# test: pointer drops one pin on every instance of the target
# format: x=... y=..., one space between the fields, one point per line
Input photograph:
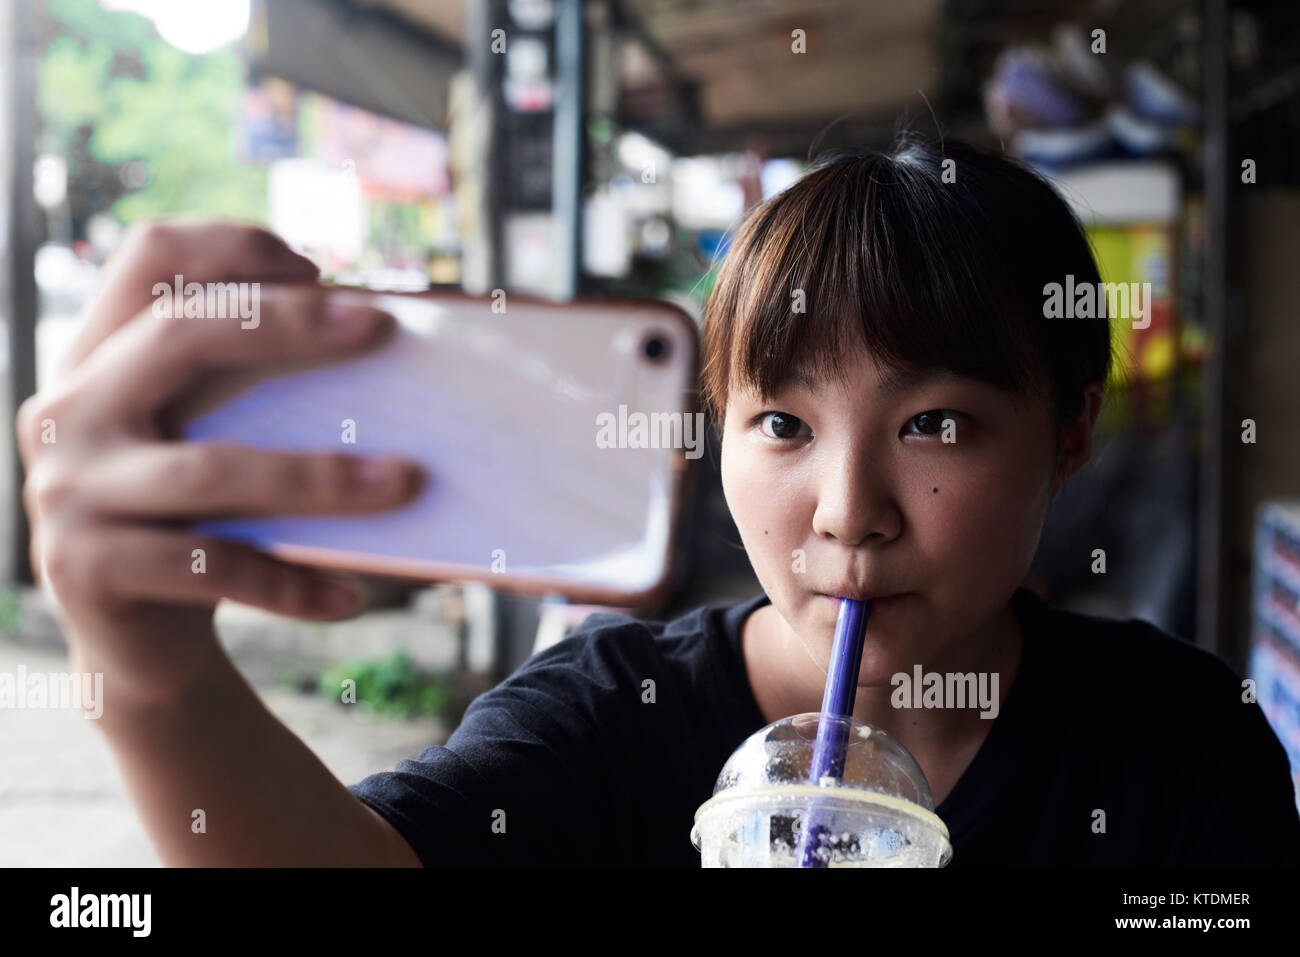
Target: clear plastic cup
x=879 y=813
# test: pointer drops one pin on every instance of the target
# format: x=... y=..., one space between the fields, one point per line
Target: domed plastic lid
x=775 y=763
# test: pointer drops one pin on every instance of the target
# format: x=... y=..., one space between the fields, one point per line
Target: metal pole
x=482 y=17
x=21 y=234
x=568 y=145
x=1213 y=529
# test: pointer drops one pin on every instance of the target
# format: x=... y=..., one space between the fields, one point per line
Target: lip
x=862 y=596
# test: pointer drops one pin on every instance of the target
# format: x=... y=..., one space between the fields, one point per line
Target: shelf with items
x=1275 y=649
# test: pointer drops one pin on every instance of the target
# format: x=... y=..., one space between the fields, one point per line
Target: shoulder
x=1138 y=662
x=610 y=653
x=1169 y=713
x=1147 y=690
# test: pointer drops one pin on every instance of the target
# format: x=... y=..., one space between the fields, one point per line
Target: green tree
x=143 y=100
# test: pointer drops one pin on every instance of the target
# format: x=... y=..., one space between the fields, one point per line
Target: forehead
x=886 y=382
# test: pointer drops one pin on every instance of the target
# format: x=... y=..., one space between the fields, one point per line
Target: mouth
x=877 y=601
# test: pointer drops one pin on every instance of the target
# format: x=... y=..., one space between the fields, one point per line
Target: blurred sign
x=268 y=124
x=527 y=162
x=391 y=159
x=527 y=87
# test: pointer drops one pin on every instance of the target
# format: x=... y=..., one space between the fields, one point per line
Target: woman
x=898 y=410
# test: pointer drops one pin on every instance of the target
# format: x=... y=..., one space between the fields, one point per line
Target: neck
x=786 y=681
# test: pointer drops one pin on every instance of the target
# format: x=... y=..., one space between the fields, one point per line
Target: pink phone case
x=555 y=438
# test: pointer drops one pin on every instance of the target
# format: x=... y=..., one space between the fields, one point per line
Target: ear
x=1076 y=438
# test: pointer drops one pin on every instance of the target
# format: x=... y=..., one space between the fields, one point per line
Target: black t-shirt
x=576 y=759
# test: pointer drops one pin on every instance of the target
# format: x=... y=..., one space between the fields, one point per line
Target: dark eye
x=931 y=421
x=783 y=426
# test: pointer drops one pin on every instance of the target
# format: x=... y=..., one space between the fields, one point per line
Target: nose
x=855 y=501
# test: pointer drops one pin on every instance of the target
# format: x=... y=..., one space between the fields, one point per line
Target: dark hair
x=924 y=273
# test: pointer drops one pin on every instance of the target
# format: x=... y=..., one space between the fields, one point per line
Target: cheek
x=760 y=507
x=983 y=524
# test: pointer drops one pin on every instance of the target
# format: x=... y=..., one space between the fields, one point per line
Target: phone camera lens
x=655 y=347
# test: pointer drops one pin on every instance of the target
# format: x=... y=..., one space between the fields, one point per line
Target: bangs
x=888 y=254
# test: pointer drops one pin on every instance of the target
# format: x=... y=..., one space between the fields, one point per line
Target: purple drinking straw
x=832 y=736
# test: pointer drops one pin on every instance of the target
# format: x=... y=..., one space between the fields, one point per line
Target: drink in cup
x=766 y=811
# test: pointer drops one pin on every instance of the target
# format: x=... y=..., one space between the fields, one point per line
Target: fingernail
x=336 y=597
x=345 y=319
x=382 y=473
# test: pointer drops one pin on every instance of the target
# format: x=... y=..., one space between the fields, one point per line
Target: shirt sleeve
x=525 y=779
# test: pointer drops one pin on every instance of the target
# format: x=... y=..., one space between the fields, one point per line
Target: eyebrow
x=892 y=382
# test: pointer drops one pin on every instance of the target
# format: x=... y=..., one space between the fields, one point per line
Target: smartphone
x=556 y=440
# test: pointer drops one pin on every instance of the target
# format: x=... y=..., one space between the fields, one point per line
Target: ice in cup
x=878 y=813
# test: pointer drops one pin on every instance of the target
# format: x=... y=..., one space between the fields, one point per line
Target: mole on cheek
x=935 y=490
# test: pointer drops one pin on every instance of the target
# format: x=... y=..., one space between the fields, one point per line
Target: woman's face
x=855 y=487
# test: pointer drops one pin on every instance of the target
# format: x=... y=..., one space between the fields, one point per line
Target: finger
x=27 y=428
x=135 y=563
x=205 y=480
x=159 y=251
x=151 y=361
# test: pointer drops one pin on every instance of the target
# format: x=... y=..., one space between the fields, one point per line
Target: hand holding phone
x=554 y=438
x=109 y=497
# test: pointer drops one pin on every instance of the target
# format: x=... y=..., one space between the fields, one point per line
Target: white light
x=50 y=180
x=189 y=25
x=779 y=174
x=532 y=14
x=316 y=206
x=637 y=152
